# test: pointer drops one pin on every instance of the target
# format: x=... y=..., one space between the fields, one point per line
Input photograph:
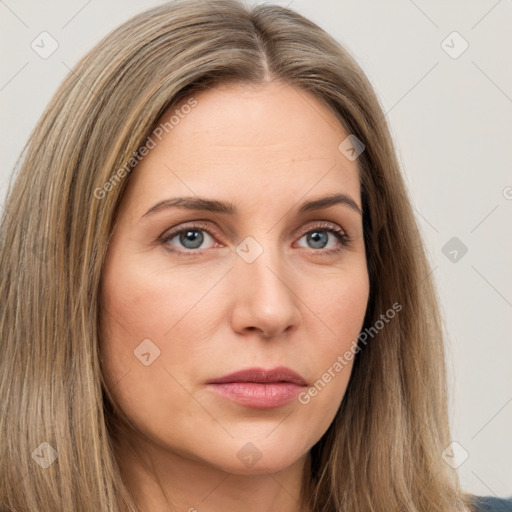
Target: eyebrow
x=228 y=208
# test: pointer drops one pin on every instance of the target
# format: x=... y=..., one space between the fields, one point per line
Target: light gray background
x=451 y=120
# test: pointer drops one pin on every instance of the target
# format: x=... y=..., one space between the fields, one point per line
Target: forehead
x=240 y=137
x=273 y=116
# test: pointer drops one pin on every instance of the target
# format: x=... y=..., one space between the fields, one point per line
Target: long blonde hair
x=383 y=450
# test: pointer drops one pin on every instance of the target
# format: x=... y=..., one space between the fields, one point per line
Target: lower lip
x=256 y=395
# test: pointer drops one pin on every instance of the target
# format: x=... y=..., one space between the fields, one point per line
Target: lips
x=262 y=376
x=259 y=388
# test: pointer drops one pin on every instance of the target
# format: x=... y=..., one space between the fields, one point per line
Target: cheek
x=131 y=312
x=143 y=301
x=146 y=301
x=143 y=312
x=341 y=306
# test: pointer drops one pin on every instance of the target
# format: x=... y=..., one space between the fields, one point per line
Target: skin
x=266 y=148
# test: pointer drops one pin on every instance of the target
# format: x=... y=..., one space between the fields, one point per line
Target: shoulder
x=491 y=504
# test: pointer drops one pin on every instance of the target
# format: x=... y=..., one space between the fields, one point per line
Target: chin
x=256 y=458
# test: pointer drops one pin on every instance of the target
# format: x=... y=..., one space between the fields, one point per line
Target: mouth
x=259 y=388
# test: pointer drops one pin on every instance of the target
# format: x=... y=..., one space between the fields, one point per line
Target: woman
x=214 y=293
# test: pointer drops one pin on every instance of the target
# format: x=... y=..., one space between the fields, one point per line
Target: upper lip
x=262 y=375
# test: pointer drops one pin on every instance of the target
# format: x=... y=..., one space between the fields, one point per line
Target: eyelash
x=342 y=237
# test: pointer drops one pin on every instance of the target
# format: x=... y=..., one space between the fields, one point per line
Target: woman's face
x=255 y=280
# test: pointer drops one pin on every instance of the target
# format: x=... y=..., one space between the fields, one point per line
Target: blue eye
x=192 y=237
x=320 y=237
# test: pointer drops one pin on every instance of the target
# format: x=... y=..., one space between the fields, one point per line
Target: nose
x=264 y=299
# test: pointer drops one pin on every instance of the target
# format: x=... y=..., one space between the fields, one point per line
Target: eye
x=189 y=239
x=318 y=238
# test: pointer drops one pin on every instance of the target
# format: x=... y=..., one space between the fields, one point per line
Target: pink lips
x=260 y=388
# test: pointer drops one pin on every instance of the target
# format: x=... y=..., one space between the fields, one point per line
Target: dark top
x=491 y=504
